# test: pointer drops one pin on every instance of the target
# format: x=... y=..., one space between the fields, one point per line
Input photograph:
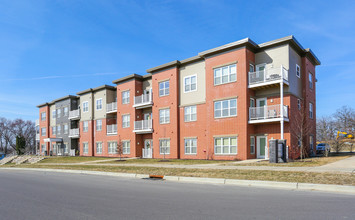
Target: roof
x=96 y=89
x=132 y=76
x=246 y=42
x=65 y=97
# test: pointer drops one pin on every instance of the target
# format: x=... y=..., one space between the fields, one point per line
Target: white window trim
x=236 y=112
x=165 y=122
x=214 y=143
x=85 y=126
x=59 y=131
x=190 y=146
x=124 y=100
x=99 y=142
x=60 y=112
x=123 y=147
x=310 y=81
x=298 y=74
x=124 y=124
x=229 y=81
x=164 y=88
x=87 y=144
x=190 y=76
x=65 y=131
x=100 y=125
x=190 y=113
x=160 y=147
x=311 y=110
x=251 y=137
x=54 y=114
x=43 y=133
x=114 y=150
x=98 y=109
x=86 y=102
x=43 y=118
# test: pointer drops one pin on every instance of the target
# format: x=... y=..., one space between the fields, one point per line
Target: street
x=44 y=195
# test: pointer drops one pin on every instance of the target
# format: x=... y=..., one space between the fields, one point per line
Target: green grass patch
x=61 y=159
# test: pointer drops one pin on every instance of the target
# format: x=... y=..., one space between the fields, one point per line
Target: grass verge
x=61 y=159
x=282 y=176
x=169 y=161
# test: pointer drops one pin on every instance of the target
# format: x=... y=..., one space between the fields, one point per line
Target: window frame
x=59 y=131
x=85 y=128
x=167 y=140
x=65 y=131
x=126 y=123
x=98 y=104
x=252 y=145
x=164 y=116
x=298 y=71
x=112 y=149
x=85 y=106
x=184 y=83
x=65 y=111
x=97 y=125
x=229 y=74
x=45 y=131
x=310 y=80
x=223 y=146
x=311 y=110
x=54 y=114
x=125 y=100
x=43 y=116
x=165 y=88
x=59 y=112
x=85 y=149
x=126 y=149
x=54 y=130
x=190 y=146
x=299 y=104
x=190 y=114
x=97 y=148
x=228 y=108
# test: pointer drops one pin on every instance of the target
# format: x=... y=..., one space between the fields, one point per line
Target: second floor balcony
x=74 y=114
x=268 y=77
x=267 y=114
x=111 y=129
x=74 y=133
x=143 y=126
x=111 y=107
x=143 y=101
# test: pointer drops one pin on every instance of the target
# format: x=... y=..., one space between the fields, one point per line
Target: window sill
x=224 y=83
x=234 y=116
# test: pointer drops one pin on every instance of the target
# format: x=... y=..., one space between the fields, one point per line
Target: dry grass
x=309 y=162
x=283 y=176
x=60 y=159
x=168 y=161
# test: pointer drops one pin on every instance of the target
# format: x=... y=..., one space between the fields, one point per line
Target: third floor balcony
x=143 y=101
x=265 y=114
x=268 y=77
x=143 y=126
x=74 y=114
x=111 y=107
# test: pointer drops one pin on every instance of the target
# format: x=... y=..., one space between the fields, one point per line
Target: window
x=66 y=148
x=164 y=88
x=43 y=148
x=85 y=148
x=126 y=147
x=59 y=130
x=98 y=125
x=43 y=116
x=298 y=71
x=299 y=104
x=310 y=80
x=225 y=74
x=164 y=146
x=85 y=126
x=98 y=104
x=125 y=97
x=225 y=108
x=99 y=147
x=54 y=114
x=112 y=147
x=85 y=106
x=190 y=146
x=251 y=67
x=225 y=145
x=164 y=116
x=66 y=128
x=311 y=142
x=252 y=145
x=125 y=121
x=65 y=111
x=190 y=83
x=311 y=110
x=190 y=113
x=43 y=132
x=54 y=129
x=252 y=102
x=59 y=112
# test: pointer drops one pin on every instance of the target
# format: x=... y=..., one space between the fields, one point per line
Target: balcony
x=74 y=114
x=37 y=137
x=267 y=114
x=111 y=107
x=74 y=133
x=37 y=122
x=111 y=129
x=143 y=127
x=143 y=101
x=268 y=78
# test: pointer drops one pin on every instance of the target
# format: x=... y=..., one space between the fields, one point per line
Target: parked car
x=323 y=148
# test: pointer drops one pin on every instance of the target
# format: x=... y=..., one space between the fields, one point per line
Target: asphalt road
x=39 y=195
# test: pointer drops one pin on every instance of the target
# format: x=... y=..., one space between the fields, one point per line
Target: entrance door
x=262 y=147
x=148 y=148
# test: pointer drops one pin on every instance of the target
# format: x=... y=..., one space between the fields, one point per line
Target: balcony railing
x=74 y=133
x=37 y=122
x=142 y=101
x=37 y=137
x=111 y=107
x=111 y=129
x=268 y=113
x=267 y=76
x=74 y=114
x=144 y=126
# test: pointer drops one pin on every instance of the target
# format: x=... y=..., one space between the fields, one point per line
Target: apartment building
x=226 y=103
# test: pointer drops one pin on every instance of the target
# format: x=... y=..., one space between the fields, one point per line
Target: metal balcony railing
x=74 y=114
x=268 y=76
x=143 y=126
x=75 y=132
x=267 y=112
x=111 y=107
x=143 y=100
x=111 y=129
x=37 y=122
x=37 y=137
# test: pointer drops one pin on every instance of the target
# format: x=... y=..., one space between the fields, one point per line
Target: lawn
x=308 y=162
x=60 y=159
x=160 y=161
x=283 y=176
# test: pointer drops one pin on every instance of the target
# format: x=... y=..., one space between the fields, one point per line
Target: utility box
x=281 y=145
x=277 y=151
x=273 y=154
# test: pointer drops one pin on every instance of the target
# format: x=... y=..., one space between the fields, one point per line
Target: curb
x=219 y=181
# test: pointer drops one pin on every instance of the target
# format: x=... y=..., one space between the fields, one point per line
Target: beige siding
x=198 y=96
x=101 y=94
x=52 y=120
x=295 y=82
x=85 y=116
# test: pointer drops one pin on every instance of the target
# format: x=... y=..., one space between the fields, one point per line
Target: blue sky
x=49 y=49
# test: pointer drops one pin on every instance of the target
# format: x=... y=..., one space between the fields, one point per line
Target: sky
x=50 y=49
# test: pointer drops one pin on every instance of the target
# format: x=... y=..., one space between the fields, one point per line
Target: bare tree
x=344 y=122
x=120 y=147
